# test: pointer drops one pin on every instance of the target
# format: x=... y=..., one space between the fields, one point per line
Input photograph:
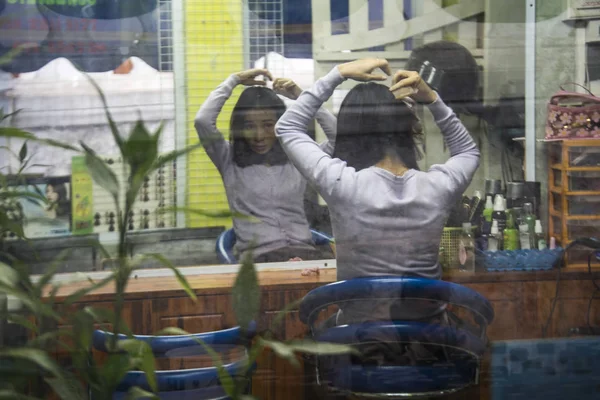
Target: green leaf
x=14 y=52
x=141 y=152
x=283 y=313
x=101 y=173
x=74 y=297
x=224 y=377
x=142 y=357
x=113 y=127
x=83 y=329
x=41 y=341
x=141 y=149
x=21 y=268
x=8 y=225
x=12 y=114
x=22 y=195
x=158 y=131
x=10 y=152
x=282 y=350
x=246 y=293
x=52 y=270
x=174 y=155
x=23 y=321
x=95 y=243
x=180 y=277
x=9 y=132
x=113 y=371
x=8 y=275
x=210 y=213
x=23 y=152
x=104 y=315
x=34 y=304
x=320 y=348
x=67 y=388
x=135 y=393
x=12 y=395
x=38 y=357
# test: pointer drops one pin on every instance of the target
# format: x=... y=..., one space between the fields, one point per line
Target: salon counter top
x=215 y=279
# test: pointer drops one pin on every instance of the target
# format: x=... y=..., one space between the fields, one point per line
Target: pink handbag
x=573 y=115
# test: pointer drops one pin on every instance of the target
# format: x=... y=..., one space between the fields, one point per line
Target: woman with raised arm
x=259 y=179
x=387 y=215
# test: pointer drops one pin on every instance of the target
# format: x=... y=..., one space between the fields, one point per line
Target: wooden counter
x=521 y=300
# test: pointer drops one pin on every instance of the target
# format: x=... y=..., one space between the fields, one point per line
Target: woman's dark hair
x=255 y=98
x=63 y=205
x=372 y=124
x=460 y=82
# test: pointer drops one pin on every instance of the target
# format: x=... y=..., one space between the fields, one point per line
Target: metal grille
x=165 y=35
x=265 y=29
x=214 y=49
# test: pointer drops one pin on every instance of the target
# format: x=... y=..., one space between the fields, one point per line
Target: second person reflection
x=259 y=179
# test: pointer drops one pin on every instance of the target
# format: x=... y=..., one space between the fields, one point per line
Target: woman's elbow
x=281 y=126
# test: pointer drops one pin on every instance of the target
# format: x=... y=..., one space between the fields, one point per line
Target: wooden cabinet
x=574 y=194
x=522 y=302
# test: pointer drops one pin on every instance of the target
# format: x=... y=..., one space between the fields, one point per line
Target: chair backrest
x=394 y=287
x=445 y=359
x=199 y=383
x=162 y=345
x=224 y=247
x=227 y=239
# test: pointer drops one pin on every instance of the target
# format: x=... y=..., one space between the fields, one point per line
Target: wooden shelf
x=557 y=214
x=582 y=193
x=558 y=190
x=582 y=217
x=582 y=267
x=575 y=169
x=560 y=222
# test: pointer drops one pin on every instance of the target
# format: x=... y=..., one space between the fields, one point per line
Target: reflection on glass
x=259 y=179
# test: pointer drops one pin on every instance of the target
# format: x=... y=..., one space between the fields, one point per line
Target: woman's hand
x=362 y=70
x=249 y=76
x=410 y=84
x=287 y=87
x=310 y=271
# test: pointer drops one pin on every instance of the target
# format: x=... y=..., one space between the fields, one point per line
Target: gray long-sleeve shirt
x=383 y=224
x=273 y=194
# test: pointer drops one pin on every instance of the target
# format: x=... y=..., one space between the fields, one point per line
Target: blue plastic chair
x=343 y=374
x=226 y=241
x=195 y=383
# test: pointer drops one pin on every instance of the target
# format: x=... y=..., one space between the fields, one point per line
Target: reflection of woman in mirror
x=58 y=201
x=387 y=215
x=259 y=179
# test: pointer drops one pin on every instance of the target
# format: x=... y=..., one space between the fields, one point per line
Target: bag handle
x=576 y=84
x=564 y=95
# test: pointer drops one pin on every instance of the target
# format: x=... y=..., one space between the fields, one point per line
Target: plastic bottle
x=529 y=220
x=524 y=237
x=466 y=249
x=495 y=238
x=477 y=206
x=489 y=209
x=499 y=213
x=539 y=236
x=511 y=234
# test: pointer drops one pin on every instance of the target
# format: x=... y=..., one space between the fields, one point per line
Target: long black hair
x=372 y=124
x=459 y=87
x=255 y=98
x=63 y=204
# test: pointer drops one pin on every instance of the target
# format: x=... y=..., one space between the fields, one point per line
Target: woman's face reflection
x=51 y=194
x=259 y=130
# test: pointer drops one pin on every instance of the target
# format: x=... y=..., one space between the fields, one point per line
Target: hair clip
x=410 y=103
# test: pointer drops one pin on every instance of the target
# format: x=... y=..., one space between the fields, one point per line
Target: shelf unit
x=574 y=194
